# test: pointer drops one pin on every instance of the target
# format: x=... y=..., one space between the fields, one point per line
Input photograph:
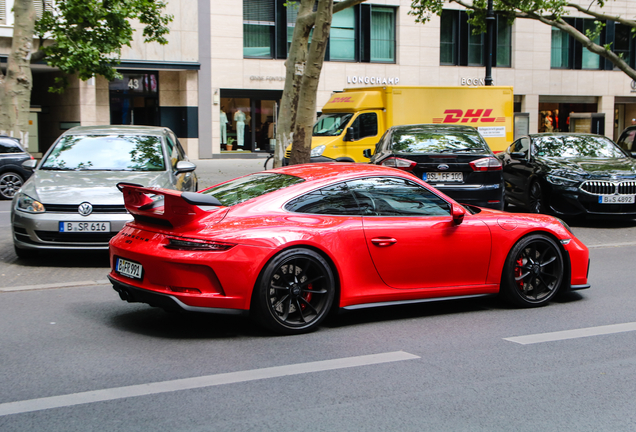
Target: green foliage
x=88 y=34
x=423 y=10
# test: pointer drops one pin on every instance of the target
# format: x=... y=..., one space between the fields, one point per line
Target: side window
x=390 y=196
x=365 y=125
x=521 y=145
x=332 y=200
x=9 y=146
x=173 y=151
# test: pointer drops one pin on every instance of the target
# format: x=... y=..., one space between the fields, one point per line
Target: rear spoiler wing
x=172 y=209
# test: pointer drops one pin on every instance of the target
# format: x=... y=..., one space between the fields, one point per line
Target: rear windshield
x=106 y=153
x=426 y=141
x=10 y=146
x=251 y=186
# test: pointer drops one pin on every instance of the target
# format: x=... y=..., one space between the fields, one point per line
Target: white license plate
x=443 y=177
x=84 y=227
x=616 y=199
x=128 y=268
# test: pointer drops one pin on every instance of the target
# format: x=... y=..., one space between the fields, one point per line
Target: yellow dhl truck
x=355 y=119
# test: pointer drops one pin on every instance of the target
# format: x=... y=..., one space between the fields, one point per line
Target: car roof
x=118 y=129
x=341 y=170
x=437 y=127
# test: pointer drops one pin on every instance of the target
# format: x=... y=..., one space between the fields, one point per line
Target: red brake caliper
x=518 y=273
x=307 y=297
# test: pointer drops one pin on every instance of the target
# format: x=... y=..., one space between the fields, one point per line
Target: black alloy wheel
x=10 y=183
x=535 y=198
x=295 y=292
x=533 y=272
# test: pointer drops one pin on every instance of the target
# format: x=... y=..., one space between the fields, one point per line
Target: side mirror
x=633 y=154
x=458 y=213
x=184 y=167
x=29 y=164
x=367 y=153
x=518 y=155
x=349 y=134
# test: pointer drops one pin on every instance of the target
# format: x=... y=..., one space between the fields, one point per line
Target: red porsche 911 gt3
x=288 y=245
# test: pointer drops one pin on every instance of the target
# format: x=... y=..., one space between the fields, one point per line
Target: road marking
x=573 y=334
x=30 y=405
x=55 y=285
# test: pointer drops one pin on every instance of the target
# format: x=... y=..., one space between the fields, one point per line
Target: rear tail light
x=486 y=164
x=197 y=245
x=399 y=163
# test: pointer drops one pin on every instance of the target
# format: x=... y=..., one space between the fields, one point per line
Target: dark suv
x=12 y=175
x=454 y=159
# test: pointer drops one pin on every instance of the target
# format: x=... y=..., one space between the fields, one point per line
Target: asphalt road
x=76 y=358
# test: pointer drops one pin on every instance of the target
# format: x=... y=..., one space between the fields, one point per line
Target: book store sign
x=373 y=80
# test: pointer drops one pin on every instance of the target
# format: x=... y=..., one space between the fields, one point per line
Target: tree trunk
x=293 y=80
x=15 y=87
x=301 y=148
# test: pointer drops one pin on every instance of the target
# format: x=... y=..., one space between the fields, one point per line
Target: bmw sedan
x=454 y=159
x=569 y=175
x=71 y=202
x=289 y=245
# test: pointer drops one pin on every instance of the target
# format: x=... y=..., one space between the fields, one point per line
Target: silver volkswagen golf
x=71 y=202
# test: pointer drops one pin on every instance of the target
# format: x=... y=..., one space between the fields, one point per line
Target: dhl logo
x=472 y=116
x=341 y=99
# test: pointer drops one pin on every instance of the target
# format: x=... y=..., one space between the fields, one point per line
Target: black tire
x=298 y=301
x=533 y=272
x=24 y=253
x=535 y=198
x=10 y=183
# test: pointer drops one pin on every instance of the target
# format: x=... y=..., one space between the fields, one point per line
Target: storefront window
x=134 y=99
x=342 y=39
x=382 y=34
x=248 y=121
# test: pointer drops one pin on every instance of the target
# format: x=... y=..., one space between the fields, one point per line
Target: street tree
x=82 y=37
x=304 y=63
x=549 y=12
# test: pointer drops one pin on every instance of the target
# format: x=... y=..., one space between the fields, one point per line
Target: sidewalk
x=219 y=169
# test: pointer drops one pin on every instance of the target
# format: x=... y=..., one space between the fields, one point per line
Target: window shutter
x=3 y=11
x=40 y=6
x=258 y=11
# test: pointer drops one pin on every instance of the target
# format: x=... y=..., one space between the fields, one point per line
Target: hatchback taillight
x=399 y=163
x=486 y=164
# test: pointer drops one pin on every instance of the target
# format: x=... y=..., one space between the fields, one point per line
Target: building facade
x=220 y=79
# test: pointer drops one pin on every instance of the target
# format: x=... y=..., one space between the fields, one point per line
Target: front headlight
x=561 y=181
x=317 y=151
x=27 y=204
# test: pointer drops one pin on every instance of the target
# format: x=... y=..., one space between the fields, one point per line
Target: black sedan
x=12 y=174
x=454 y=159
x=569 y=175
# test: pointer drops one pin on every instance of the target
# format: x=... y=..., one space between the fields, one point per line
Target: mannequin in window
x=239 y=118
x=224 y=123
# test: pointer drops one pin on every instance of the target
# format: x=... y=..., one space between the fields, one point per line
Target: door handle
x=383 y=241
